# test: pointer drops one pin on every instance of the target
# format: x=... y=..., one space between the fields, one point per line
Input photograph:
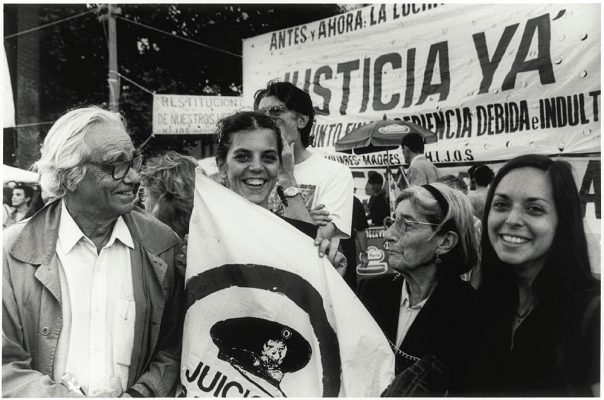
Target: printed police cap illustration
x=264 y=348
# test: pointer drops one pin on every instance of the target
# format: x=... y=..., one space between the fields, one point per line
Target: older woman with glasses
x=426 y=309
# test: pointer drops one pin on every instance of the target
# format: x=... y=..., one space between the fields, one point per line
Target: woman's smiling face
x=522 y=220
x=252 y=164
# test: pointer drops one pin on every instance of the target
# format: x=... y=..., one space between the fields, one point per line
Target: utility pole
x=113 y=78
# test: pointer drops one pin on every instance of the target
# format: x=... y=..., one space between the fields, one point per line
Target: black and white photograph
x=301 y=200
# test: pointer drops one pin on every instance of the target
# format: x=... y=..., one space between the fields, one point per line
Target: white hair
x=460 y=213
x=64 y=151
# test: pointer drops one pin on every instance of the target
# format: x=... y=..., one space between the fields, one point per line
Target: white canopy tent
x=18 y=175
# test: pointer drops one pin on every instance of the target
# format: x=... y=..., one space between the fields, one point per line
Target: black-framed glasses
x=274 y=111
x=120 y=170
x=403 y=224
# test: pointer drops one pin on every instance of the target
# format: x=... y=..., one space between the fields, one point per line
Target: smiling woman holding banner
x=264 y=314
x=251 y=156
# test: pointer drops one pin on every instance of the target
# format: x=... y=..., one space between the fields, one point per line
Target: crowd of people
x=492 y=292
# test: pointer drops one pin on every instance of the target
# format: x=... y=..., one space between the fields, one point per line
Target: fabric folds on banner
x=265 y=316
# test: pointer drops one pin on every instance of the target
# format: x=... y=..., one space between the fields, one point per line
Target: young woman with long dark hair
x=541 y=303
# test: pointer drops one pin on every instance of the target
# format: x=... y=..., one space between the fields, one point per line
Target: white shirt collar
x=70 y=233
x=405 y=298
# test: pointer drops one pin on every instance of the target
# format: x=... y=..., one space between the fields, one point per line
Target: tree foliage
x=74 y=56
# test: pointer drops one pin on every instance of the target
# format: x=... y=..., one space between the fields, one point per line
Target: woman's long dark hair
x=567 y=268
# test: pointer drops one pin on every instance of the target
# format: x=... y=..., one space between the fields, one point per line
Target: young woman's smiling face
x=252 y=164
x=522 y=220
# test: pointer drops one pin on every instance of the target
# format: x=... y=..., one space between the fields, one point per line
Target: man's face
x=372 y=188
x=98 y=193
x=289 y=121
x=406 y=154
x=19 y=198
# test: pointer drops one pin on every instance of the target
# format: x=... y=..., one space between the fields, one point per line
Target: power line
x=47 y=25
x=180 y=37
x=134 y=83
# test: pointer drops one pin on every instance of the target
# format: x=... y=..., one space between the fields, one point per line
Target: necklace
x=522 y=315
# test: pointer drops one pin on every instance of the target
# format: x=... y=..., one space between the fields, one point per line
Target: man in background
x=480 y=176
x=355 y=248
x=315 y=178
x=421 y=170
x=20 y=201
x=377 y=206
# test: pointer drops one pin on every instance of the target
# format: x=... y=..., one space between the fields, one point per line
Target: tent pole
x=389 y=180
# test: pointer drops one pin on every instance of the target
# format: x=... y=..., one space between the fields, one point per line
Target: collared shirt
x=95 y=344
x=407 y=314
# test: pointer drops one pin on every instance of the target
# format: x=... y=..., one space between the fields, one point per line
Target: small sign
x=191 y=115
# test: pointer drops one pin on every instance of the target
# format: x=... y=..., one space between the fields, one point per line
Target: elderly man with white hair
x=90 y=293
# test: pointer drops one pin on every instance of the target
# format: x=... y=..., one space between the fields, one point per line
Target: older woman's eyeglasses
x=403 y=224
x=120 y=170
x=273 y=111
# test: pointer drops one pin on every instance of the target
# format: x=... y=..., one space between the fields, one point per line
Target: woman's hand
x=340 y=263
x=320 y=215
x=286 y=170
x=329 y=248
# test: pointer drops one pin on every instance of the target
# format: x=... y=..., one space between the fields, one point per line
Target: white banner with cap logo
x=265 y=316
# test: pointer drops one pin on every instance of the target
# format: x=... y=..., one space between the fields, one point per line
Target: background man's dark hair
x=295 y=99
x=27 y=190
x=414 y=142
x=483 y=175
x=375 y=178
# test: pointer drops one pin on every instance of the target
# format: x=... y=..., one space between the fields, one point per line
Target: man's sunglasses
x=273 y=111
x=120 y=170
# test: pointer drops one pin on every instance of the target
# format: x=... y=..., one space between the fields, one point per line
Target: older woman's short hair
x=64 y=151
x=170 y=178
x=459 y=219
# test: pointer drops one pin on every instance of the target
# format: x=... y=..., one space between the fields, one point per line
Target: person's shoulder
x=425 y=163
x=586 y=300
x=40 y=226
x=11 y=233
x=155 y=234
x=460 y=290
x=149 y=223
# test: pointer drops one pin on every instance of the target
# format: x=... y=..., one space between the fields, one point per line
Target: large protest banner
x=184 y=114
x=490 y=80
x=265 y=316
x=493 y=81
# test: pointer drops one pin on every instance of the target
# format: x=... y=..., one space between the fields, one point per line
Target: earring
x=437 y=259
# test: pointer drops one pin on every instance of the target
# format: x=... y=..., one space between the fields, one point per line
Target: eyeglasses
x=273 y=111
x=403 y=224
x=120 y=170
